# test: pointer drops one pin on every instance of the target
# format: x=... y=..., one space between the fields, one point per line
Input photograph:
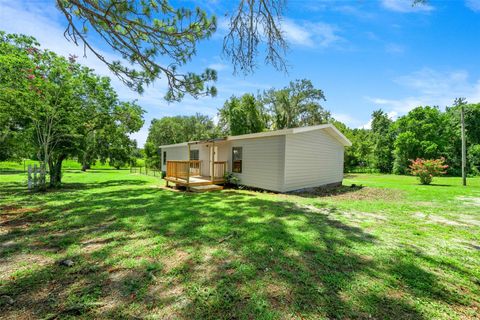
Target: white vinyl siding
x=174 y=153
x=262 y=162
x=312 y=159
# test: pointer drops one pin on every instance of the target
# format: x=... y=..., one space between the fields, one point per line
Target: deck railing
x=183 y=169
x=219 y=169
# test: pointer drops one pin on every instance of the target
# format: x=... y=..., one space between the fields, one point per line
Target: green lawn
x=391 y=250
x=22 y=166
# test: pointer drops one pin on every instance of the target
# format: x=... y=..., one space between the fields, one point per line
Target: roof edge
x=341 y=138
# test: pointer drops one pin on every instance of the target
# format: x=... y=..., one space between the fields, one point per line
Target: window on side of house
x=195 y=154
x=237 y=159
x=164 y=157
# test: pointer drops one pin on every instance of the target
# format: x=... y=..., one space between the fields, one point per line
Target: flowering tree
x=63 y=109
x=427 y=169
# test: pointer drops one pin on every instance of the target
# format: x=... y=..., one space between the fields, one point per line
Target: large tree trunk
x=56 y=171
x=85 y=162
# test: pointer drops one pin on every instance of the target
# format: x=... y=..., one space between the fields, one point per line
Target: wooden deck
x=188 y=173
x=195 y=181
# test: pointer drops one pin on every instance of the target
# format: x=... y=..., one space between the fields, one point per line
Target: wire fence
x=147 y=171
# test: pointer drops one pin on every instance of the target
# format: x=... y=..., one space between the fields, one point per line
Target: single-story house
x=282 y=161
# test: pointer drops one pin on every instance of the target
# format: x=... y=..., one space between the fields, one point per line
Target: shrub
x=231 y=179
x=427 y=169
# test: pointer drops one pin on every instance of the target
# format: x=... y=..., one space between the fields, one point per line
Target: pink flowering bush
x=427 y=169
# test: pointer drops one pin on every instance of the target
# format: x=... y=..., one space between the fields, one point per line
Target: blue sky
x=365 y=55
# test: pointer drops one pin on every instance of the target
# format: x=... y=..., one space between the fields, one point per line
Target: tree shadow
x=141 y=251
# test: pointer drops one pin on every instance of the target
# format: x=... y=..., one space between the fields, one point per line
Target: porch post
x=212 y=162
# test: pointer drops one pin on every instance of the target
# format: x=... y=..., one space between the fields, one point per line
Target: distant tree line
x=425 y=132
x=386 y=147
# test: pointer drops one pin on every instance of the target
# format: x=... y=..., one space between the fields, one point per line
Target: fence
x=35 y=181
x=147 y=171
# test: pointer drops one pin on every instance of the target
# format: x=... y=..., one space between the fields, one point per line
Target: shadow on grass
x=329 y=192
x=143 y=251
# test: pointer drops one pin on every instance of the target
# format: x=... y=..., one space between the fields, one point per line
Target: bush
x=427 y=169
x=231 y=179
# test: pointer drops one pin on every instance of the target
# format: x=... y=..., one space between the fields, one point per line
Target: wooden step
x=212 y=187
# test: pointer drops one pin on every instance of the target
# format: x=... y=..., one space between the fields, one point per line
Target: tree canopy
x=60 y=108
x=242 y=115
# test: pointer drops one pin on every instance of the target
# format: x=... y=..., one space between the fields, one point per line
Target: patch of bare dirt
x=465 y=220
x=175 y=260
x=354 y=193
x=113 y=298
x=363 y=216
x=18 y=262
x=92 y=245
x=279 y=295
x=14 y=210
x=354 y=216
x=473 y=201
x=169 y=298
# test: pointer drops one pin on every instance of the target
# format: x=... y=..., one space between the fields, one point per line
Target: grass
x=390 y=250
x=69 y=164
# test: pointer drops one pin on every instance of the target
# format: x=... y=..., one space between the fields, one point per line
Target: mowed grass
x=22 y=165
x=390 y=250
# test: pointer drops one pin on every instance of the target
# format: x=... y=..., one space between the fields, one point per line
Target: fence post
x=29 y=176
x=146 y=170
x=35 y=181
x=42 y=175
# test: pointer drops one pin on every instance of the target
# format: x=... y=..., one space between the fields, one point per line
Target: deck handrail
x=219 y=169
x=183 y=168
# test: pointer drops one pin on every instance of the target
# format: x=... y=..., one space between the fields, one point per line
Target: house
x=282 y=161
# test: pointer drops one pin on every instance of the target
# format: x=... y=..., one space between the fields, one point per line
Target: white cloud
x=297 y=34
x=473 y=5
x=431 y=87
x=310 y=34
x=405 y=6
x=347 y=119
x=218 y=66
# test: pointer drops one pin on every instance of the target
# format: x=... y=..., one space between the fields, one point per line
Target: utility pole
x=461 y=102
x=464 y=147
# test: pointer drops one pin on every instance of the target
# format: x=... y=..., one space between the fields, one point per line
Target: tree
x=296 y=105
x=254 y=22
x=242 y=115
x=474 y=158
x=56 y=101
x=360 y=153
x=171 y=130
x=472 y=132
x=419 y=134
x=140 y=32
x=14 y=92
x=106 y=137
x=383 y=138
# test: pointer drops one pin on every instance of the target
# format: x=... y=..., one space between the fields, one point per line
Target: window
x=164 y=157
x=237 y=159
x=194 y=154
